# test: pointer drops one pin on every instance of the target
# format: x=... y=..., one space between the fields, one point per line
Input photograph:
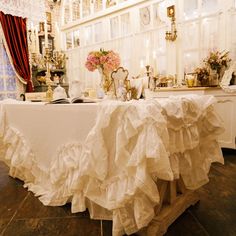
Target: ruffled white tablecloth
x=107 y=156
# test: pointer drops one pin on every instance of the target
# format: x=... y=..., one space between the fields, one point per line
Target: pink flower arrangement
x=107 y=61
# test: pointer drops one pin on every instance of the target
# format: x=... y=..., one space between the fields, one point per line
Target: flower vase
x=106 y=83
x=213 y=78
x=221 y=72
x=205 y=81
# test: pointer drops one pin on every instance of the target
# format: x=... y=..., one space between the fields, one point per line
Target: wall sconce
x=171 y=35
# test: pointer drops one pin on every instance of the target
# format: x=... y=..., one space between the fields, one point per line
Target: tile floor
x=22 y=214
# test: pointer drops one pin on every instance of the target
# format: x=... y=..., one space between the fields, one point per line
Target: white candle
x=57 y=38
x=36 y=40
x=154 y=56
x=32 y=40
x=141 y=64
x=147 y=58
x=147 y=52
x=46 y=34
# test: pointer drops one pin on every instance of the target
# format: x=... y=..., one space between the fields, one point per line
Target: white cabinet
x=226 y=108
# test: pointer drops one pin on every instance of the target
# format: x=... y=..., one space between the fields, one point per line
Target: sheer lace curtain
x=32 y=11
x=10 y=85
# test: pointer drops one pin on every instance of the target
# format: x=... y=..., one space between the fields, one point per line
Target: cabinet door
x=226 y=109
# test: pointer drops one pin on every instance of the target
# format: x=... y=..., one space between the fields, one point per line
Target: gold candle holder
x=148 y=72
x=47 y=57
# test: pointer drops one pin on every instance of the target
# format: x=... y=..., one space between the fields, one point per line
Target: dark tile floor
x=21 y=214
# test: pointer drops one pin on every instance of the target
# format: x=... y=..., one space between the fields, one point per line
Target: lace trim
x=30 y=9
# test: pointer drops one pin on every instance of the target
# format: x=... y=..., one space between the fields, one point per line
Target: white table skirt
x=106 y=156
x=47 y=127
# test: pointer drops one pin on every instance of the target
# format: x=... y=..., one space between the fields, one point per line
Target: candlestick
x=147 y=58
x=147 y=52
x=154 y=56
x=141 y=64
x=47 y=60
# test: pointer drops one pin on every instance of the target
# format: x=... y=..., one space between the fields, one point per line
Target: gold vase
x=106 y=82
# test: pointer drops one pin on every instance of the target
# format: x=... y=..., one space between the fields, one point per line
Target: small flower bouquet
x=217 y=60
x=107 y=61
x=213 y=69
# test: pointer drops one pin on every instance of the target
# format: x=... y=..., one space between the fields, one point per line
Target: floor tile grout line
x=20 y=205
x=198 y=222
x=101 y=228
x=54 y=217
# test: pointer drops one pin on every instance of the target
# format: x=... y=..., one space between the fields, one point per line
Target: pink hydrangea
x=108 y=61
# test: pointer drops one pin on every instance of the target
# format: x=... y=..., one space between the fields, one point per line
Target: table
x=225 y=106
x=108 y=156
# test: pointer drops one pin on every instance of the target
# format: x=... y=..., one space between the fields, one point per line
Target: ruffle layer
x=16 y=153
x=112 y=173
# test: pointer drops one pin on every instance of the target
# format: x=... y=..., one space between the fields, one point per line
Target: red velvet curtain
x=14 y=29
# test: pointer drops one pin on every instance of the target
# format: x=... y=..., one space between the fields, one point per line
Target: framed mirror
x=228 y=82
x=121 y=84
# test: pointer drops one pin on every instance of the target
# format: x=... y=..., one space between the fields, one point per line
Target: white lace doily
x=33 y=10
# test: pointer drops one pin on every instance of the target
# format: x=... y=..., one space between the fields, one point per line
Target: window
x=8 y=86
x=97 y=6
x=125 y=24
x=66 y=13
x=69 y=40
x=88 y=35
x=200 y=31
x=86 y=8
x=75 y=10
x=137 y=29
x=98 y=32
x=76 y=36
x=114 y=27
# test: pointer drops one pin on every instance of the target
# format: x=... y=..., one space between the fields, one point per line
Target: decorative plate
x=145 y=17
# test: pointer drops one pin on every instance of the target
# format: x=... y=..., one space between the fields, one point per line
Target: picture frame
x=145 y=17
x=171 y=11
x=42 y=43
